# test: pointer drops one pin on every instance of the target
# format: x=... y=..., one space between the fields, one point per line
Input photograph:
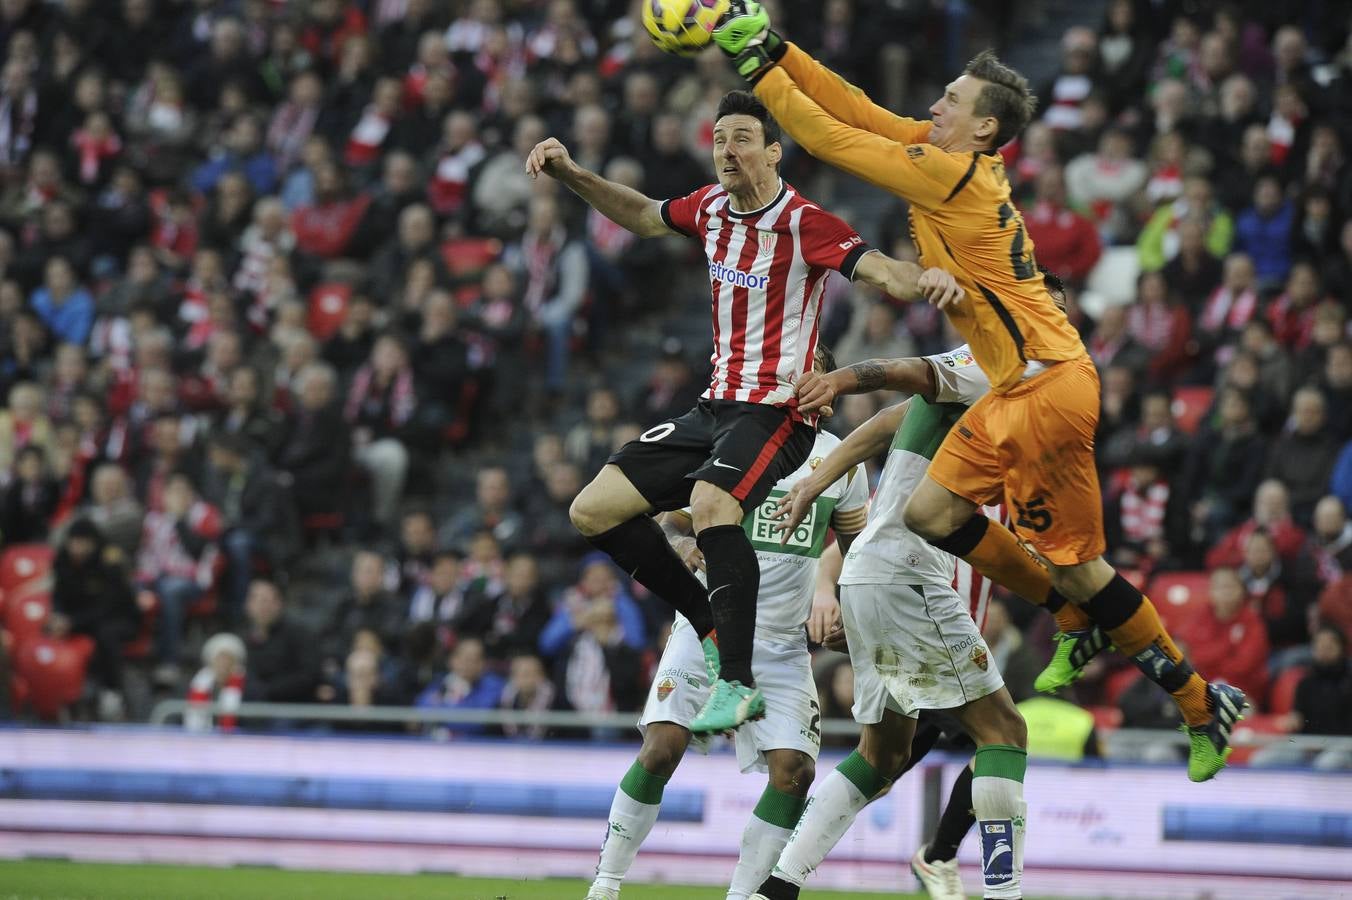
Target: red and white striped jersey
x=970 y=584
x=767 y=271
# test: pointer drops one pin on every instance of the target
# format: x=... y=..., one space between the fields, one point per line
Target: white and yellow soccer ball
x=683 y=27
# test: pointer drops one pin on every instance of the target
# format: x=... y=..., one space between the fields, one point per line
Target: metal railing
x=1117 y=742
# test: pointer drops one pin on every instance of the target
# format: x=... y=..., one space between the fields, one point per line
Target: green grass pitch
x=53 y=880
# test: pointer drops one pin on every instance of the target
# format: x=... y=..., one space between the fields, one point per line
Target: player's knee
x=793 y=774
x=1011 y=727
x=661 y=753
x=886 y=760
x=588 y=516
x=710 y=505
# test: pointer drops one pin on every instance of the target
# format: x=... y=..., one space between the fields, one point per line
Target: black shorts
x=744 y=448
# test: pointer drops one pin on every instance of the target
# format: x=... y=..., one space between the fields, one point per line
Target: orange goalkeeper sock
x=1131 y=621
x=996 y=553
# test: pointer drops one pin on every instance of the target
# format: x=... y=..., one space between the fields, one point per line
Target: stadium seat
x=23 y=562
x=1190 y=404
x=54 y=671
x=26 y=616
x=1177 y=595
x=328 y=308
x=1282 y=697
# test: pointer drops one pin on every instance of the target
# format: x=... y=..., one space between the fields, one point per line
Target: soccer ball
x=683 y=27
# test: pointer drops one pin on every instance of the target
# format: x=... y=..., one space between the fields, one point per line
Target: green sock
x=643 y=786
x=778 y=808
x=862 y=775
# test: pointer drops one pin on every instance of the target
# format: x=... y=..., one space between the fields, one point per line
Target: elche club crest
x=979 y=657
x=668 y=684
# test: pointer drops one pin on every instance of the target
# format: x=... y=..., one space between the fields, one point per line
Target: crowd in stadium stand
x=281 y=315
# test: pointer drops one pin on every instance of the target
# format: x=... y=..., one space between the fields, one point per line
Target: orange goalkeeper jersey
x=962 y=218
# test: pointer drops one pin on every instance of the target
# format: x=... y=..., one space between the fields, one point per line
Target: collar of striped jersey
x=779 y=195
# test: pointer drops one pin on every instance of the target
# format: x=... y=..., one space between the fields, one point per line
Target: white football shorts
x=913 y=647
x=783 y=671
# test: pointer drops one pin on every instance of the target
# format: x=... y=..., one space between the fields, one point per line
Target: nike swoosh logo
x=721 y=587
x=718 y=463
x=1000 y=848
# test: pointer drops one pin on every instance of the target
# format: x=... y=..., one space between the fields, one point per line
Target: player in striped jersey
x=785 y=742
x=769 y=251
x=915 y=646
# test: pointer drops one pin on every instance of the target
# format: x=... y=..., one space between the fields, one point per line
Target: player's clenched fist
x=549 y=156
x=939 y=287
x=816 y=392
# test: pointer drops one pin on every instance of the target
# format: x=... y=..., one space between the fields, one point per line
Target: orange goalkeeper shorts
x=1035 y=447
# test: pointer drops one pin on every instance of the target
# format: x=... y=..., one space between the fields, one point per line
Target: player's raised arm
x=908 y=281
x=622 y=205
x=747 y=24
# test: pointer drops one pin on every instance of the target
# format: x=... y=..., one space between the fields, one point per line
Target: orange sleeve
x=847 y=103
x=919 y=173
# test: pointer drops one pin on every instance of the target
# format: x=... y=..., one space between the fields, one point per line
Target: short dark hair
x=745 y=103
x=1005 y=95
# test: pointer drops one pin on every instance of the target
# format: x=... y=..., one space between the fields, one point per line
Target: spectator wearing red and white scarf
x=94 y=145
x=1292 y=314
x=459 y=153
x=294 y=121
x=219 y=681
x=368 y=136
x=269 y=237
x=380 y=404
x=177 y=562
x=556 y=275
x=1162 y=325
x=1229 y=308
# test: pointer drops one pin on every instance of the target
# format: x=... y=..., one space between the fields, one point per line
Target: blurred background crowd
x=301 y=371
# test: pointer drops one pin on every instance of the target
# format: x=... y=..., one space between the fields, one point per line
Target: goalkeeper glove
x=744 y=34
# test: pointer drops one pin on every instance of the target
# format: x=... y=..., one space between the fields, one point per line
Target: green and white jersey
x=788 y=571
x=888 y=552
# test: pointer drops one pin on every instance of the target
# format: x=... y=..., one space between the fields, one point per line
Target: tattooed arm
x=911 y=376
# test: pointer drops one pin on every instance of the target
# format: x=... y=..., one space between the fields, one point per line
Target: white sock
x=830 y=812
x=628 y=826
x=997 y=798
x=761 y=845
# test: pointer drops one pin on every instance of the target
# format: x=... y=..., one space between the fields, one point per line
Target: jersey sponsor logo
x=963 y=644
x=915 y=151
x=979 y=657
x=665 y=687
x=853 y=241
x=765 y=527
x=737 y=278
x=719 y=464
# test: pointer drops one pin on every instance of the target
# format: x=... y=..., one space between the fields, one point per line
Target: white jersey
x=788 y=571
x=888 y=552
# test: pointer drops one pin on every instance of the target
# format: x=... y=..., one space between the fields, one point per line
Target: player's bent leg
x=608 y=500
x=951 y=522
x=776 y=814
x=998 y=770
x=615 y=518
x=883 y=749
x=633 y=811
x=1129 y=619
x=733 y=575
